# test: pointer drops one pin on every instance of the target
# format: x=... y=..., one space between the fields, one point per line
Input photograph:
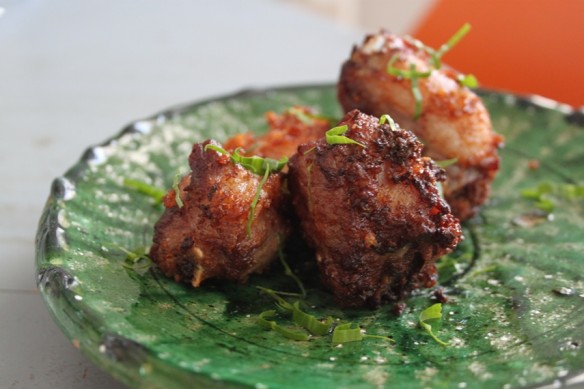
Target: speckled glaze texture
x=515 y=315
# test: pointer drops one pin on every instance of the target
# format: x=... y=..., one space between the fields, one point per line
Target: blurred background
x=522 y=46
x=73 y=72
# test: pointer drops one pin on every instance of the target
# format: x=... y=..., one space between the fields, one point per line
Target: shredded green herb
x=436 y=55
x=257 y=165
x=336 y=136
x=310 y=322
x=308 y=118
x=342 y=333
x=301 y=115
x=310 y=150
x=277 y=293
x=286 y=308
x=254 y=164
x=446 y=162
x=272 y=325
x=262 y=319
x=486 y=269
x=571 y=192
x=254 y=203
x=387 y=338
x=176 y=188
x=388 y=119
x=468 y=80
x=407 y=74
x=156 y=193
x=454 y=39
x=348 y=332
x=546 y=194
x=137 y=260
x=414 y=75
x=545 y=204
x=288 y=271
x=431 y=313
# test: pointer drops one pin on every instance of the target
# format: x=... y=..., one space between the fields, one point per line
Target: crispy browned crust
x=365 y=84
x=207 y=238
x=373 y=214
x=285 y=133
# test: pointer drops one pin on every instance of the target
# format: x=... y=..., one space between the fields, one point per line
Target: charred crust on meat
x=211 y=192
x=187 y=243
x=453 y=117
x=207 y=237
x=373 y=214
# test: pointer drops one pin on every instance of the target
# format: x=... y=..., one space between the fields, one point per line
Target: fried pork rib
x=285 y=133
x=207 y=237
x=373 y=213
x=453 y=124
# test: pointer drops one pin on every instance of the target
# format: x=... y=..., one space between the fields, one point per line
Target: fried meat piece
x=207 y=236
x=296 y=126
x=453 y=123
x=373 y=214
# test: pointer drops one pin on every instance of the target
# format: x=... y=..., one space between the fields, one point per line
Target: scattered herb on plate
x=432 y=313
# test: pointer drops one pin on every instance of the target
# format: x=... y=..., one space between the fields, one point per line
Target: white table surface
x=72 y=73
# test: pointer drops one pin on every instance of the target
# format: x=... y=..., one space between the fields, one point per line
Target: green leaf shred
x=301 y=115
x=137 y=260
x=336 y=136
x=407 y=74
x=446 y=162
x=310 y=322
x=342 y=333
x=453 y=41
x=546 y=194
x=176 y=188
x=388 y=119
x=308 y=118
x=468 y=80
x=275 y=294
x=264 y=322
x=288 y=271
x=431 y=313
x=349 y=332
x=257 y=165
x=414 y=75
x=218 y=149
x=345 y=333
x=149 y=190
x=254 y=203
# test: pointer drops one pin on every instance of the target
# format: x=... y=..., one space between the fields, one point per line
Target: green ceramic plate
x=515 y=316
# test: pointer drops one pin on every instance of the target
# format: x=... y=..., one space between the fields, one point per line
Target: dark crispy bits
x=453 y=124
x=373 y=214
x=207 y=237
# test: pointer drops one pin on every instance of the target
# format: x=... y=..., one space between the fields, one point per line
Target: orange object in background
x=522 y=46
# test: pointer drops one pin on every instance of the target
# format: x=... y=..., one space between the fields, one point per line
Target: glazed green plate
x=515 y=287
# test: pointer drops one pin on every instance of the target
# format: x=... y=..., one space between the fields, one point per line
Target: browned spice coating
x=373 y=214
x=286 y=132
x=207 y=237
x=453 y=124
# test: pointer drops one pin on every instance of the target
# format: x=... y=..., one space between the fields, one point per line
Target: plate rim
x=54 y=282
